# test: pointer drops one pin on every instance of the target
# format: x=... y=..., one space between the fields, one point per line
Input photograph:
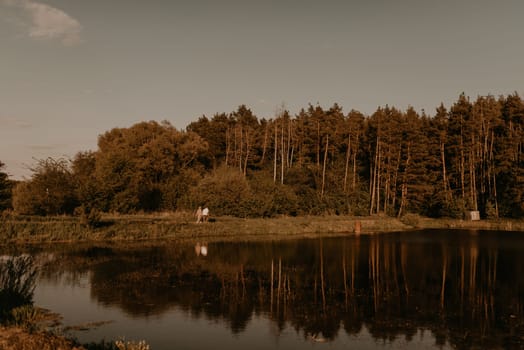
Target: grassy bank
x=181 y=226
x=15 y=338
x=19 y=338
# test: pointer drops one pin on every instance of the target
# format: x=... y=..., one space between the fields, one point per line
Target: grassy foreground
x=18 y=338
x=182 y=226
x=12 y=338
x=36 y=328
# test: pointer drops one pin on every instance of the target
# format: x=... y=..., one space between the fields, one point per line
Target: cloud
x=46 y=22
x=13 y=123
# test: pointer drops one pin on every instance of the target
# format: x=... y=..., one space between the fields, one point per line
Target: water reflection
x=201 y=249
x=466 y=289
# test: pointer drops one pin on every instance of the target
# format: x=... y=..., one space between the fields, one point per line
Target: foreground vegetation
x=20 y=322
x=26 y=327
x=18 y=338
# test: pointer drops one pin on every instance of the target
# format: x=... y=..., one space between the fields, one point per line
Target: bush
x=438 y=206
x=131 y=345
x=228 y=192
x=17 y=283
x=118 y=345
x=410 y=219
x=49 y=192
x=225 y=191
x=269 y=198
x=90 y=218
x=25 y=316
x=491 y=211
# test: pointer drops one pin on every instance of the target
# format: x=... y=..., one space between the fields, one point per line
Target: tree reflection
x=467 y=290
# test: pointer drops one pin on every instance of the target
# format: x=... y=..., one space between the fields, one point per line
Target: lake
x=431 y=289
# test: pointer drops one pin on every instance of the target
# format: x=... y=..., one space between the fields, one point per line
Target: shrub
x=25 y=316
x=269 y=198
x=49 y=192
x=17 y=283
x=131 y=345
x=90 y=218
x=491 y=211
x=225 y=191
x=438 y=206
x=410 y=219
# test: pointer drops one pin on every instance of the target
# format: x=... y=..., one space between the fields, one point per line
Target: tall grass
x=17 y=283
x=182 y=225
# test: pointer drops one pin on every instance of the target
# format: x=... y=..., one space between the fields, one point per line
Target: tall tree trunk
x=283 y=156
x=495 y=195
x=324 y=167
x=403 y=198
x=241 y=149
x=373 y=182
x=228 y=145
x=248 y=148
x=462 y=163
x=276 y=154
x=318 y=144
x=387 y=184
x=288 y=148
x=395 y=179
x=473 y=182
x=354 y=179
x=264 y=146
x=379 y=173
x=444 y=174
x=346 y=167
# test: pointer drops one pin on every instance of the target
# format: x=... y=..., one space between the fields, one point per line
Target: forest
x=464 y=157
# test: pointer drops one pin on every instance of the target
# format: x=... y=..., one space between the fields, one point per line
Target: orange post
x=358 y=227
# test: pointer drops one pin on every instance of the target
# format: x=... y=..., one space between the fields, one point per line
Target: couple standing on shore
x=202 y=215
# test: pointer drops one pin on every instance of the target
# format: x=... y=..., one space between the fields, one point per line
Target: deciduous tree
x=5 y=189
x=50 y=191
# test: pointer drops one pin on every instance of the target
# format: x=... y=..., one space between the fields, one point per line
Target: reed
x=26 y=317
x=17 y=283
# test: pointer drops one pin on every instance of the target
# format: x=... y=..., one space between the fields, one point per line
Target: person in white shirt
x=205 y=214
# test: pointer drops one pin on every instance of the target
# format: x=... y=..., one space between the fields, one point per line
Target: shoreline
x=182 y=226
x=173 y=227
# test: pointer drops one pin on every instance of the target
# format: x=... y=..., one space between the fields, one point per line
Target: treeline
x=467 y=157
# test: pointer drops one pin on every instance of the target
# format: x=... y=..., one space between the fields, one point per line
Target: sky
x=71 y=70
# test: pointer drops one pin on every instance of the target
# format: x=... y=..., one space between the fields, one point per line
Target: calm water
x=428 y=289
